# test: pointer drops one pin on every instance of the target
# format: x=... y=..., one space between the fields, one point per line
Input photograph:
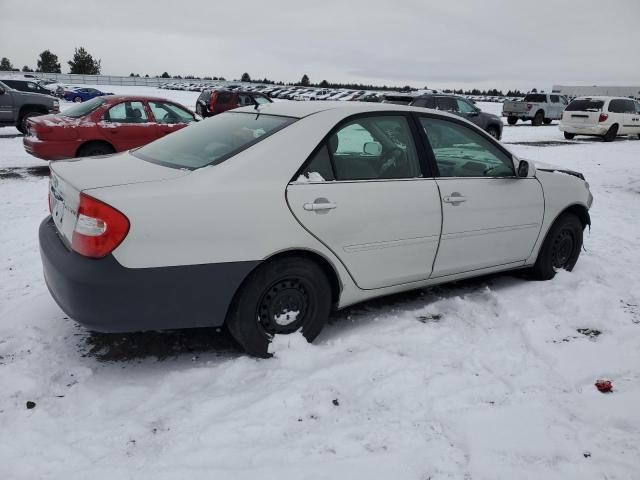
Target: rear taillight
x=529 y=106
x=99 y=229
x=603 y=117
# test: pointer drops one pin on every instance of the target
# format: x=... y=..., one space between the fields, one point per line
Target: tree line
x=84 y=63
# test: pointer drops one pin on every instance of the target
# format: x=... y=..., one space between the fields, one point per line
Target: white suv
x=606 y=117
x=266 y=218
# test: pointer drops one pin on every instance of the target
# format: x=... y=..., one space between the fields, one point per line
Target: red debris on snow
x=604 y=386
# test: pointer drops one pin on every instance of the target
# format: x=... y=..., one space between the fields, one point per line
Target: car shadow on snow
x=194 y=342
x=23 y=172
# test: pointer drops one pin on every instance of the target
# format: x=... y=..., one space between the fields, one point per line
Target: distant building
x=582 y=90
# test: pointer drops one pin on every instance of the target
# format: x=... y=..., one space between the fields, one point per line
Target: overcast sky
x=445 y=43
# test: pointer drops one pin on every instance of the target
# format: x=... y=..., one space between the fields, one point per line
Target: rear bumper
x=49 y=150
x=584 y=129
x=104 y=296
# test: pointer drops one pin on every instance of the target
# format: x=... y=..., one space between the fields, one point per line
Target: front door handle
x=319 y=205
x=455 y=198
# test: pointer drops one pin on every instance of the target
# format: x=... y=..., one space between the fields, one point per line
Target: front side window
x=461 y=152
x=369 y=148
x=464 y=106
x=428 y=102
x=261 y=100
x=212 y=141
x=127 y=112
x=168 y=113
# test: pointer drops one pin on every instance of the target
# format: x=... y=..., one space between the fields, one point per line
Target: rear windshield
x=535 y=97
x=584 y=105
x=82 y=109
x=212 y=141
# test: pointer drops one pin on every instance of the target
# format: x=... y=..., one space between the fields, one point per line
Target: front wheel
x=77 y=99
x=547 y=121
x=561 y=247
x=569 y=136
x=280 y=297
x=512 y=120
x=538 y=119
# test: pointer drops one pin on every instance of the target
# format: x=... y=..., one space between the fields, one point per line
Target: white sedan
x=267 y=218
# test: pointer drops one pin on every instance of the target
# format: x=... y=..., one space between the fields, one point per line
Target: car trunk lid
x=70 y=178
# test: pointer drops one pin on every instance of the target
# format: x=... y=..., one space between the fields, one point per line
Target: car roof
x=304 y=109
x=601 y=97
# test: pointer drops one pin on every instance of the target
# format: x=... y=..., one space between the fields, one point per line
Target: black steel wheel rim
x=562 y=248
x=284 y=306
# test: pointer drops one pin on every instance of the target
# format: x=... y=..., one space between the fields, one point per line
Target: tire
x=547 y=121
x=94 y=149
x=275 y=289
x=77 y=99
x=494 y=132
x=538 y=118
x=22 y=121
x=611 y=134
x=569 y=136
x=512 y=120
x=561 y=247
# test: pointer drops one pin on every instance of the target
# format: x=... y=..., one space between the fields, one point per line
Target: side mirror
x=523 y=169
x=372 y=148
x=475 y=113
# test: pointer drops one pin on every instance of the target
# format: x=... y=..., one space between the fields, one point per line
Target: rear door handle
x=455 y=198
x=319 y=205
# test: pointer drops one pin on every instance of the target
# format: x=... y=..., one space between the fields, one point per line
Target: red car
x=212 y=102
x=104 y=125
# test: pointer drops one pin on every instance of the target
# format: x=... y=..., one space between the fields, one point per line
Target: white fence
x=116 y=80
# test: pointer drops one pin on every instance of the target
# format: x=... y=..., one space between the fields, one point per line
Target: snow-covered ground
x=485 y=379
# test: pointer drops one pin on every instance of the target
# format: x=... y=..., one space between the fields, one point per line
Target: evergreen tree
x=304 y=81
x=245 y=77
x=48 y=63
x=165 y=75
x=83 y=63
x=26 y=68
x=5 y=64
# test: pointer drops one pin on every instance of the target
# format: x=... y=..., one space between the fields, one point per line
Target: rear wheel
x=547 y=121
x=94 y=149
x=561 y=248
x=569 y=136
x=494 y=132
x=22 y=121
x=611 y=134
x=512 y=120
x=77 y=99
x=281 y=297
x=538 y=119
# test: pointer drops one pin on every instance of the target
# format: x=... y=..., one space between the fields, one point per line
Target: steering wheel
x=394 y=164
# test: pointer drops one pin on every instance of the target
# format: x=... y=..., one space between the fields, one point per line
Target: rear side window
x=585 y=105
x=535 y=98
x=212 y=141
x=368 y=148
x=223 y=97
x=428 y=102
x=554 y=98
x=622 y=106
x=448 y=104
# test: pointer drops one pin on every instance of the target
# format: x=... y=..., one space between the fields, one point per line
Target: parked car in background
x=213 y=102
x=538 y=107
x=82 y=94
x=174 y=232
x=56 y=89
x=104 y=125
x=370 y=97
x=605 y=117
x=398 y=98
x=492 y=124
x=16 y=107
x=26 y=85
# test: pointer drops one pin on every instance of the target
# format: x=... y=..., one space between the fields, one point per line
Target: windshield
x=212 y=141
x=584 y=105
x=82 y=109
x=535 y=97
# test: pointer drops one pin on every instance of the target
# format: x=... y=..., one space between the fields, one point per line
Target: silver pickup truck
x=17 y=106
x=538 y=107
